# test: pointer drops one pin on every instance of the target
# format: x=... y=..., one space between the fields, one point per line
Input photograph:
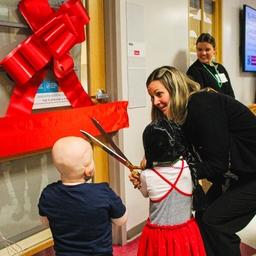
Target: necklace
x=219 y=82
x=166 y=164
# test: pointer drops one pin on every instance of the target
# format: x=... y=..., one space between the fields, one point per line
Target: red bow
x=55 y=33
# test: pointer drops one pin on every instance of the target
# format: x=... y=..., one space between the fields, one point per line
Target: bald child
x=78 y=213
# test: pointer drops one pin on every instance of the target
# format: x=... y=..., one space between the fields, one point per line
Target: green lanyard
x=162 y=164
x=219 y=82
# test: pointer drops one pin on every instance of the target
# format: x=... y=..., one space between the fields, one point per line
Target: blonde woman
x=222 y=133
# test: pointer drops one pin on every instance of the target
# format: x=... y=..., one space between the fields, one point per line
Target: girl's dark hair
x=164 y=141
x=206 y=37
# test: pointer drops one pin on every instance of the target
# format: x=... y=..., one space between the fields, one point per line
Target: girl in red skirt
x=171 y=229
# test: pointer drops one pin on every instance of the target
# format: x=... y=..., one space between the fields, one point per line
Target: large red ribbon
x=28 y=133
x=54 y=34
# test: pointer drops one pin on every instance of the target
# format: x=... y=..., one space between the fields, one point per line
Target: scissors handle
x=133 y=168
x=136 y=172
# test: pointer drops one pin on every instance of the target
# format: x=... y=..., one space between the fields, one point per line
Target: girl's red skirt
x=177 y=240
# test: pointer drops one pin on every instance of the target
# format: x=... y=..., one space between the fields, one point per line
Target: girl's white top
x=171 y=200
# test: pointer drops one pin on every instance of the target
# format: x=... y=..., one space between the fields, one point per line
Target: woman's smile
x=160 y=96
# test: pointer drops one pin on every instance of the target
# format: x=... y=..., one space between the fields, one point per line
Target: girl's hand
x=135 y=179
x=135 y=176
x=143 y=163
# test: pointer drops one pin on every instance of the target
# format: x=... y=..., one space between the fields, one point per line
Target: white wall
x=166 y=37
x=243 y=83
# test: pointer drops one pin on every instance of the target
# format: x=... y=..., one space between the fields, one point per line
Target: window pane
x=21 y=183
x=9 y=39
x=194 y=27
x=208 y=6
x=14 y=30
x=208 y=16
x=22 y=180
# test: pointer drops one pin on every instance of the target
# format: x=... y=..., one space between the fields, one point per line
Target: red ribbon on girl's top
x=55 y=33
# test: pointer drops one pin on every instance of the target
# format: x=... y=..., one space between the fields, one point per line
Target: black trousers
x=229 y=213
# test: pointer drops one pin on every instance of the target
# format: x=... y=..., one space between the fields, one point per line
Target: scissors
x=117 y=154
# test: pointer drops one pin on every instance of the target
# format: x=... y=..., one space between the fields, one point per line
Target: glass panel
x=194 y=27
x=21 y=183
x=9 y=12
x=22 y=180
x=208 y=16
x=9 y=39
x=14 y=30
x=208 y=10
x=195 y=19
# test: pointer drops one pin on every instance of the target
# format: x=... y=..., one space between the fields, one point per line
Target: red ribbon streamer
x=27 y=133
x=55 y=33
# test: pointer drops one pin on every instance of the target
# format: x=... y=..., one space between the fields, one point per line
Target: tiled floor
x=247 y=235
x=130 y=249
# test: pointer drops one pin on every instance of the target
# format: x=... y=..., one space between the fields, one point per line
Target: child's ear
x=89 y=171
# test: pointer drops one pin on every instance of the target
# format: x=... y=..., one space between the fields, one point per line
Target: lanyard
x=219 y=82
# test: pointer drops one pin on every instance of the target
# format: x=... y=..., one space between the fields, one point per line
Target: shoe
x=18 y=213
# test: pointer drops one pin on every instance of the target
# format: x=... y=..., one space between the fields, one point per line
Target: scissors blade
x=108 y=138
x=109 y=151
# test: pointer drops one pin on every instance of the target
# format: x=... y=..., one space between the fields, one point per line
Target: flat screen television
x=248 y=39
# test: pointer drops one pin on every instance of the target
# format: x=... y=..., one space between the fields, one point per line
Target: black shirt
x=217 y=124
x=204 y=74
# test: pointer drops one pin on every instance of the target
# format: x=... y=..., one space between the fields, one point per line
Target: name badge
x=221 y=77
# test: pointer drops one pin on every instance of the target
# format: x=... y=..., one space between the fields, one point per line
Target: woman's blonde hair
x=180 y=87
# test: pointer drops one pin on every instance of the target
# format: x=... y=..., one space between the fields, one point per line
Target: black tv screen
x=248 y=39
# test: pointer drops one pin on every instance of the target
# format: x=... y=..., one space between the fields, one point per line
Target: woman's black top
x=221 y=128
x=206 y=76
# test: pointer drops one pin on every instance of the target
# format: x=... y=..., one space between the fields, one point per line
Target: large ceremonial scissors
x=117 y=154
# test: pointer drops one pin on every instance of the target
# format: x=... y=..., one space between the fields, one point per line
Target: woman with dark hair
x=207 y=72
